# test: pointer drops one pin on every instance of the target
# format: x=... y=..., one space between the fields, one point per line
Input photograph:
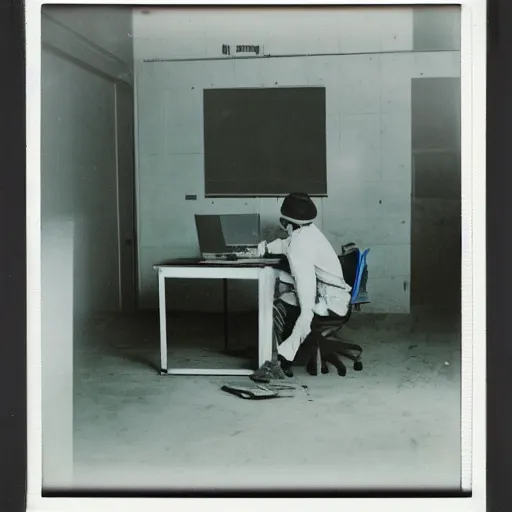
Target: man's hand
x=262 y=249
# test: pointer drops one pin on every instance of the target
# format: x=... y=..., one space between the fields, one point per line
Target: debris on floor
x=257 y=391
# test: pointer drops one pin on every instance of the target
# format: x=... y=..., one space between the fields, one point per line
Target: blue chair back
x=359 y=275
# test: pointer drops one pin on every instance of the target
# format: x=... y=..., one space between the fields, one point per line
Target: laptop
x=228 y=237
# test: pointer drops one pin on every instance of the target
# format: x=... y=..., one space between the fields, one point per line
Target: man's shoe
x=270 y=370
x=286 y=366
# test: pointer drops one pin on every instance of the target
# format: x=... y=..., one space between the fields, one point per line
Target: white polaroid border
x=473 y=387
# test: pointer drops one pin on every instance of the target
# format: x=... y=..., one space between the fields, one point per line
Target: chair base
x=311 y=367
x=330 y=351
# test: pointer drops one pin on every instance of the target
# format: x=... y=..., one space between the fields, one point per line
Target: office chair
x=322 y=341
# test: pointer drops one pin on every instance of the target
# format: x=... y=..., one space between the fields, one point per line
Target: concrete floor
x=394 y=425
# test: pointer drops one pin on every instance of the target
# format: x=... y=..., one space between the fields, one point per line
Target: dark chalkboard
x=264 y=141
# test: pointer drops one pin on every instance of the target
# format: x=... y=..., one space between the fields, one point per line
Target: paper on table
x=244 y=261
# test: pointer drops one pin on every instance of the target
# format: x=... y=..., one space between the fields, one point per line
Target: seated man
x=315 y=286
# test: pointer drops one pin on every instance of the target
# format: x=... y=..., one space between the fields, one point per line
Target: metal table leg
x=163 y=324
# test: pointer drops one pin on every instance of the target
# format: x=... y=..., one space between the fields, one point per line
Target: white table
x=266 y=276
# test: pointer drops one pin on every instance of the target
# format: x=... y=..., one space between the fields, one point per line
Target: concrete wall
x=78 y=177
x=109 y=28
x=436 y=28
x=79 y=142
x=367 y=74
x=79 y=221
x=436 y=167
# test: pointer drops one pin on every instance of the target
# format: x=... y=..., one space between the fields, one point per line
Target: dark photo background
x=499 y=254
x=13 y=416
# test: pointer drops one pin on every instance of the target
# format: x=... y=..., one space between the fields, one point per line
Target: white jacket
x=317 y=276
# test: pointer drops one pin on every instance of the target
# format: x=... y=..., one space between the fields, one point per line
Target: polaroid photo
x=256 y=254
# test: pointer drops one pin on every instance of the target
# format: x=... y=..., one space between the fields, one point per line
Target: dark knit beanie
x=298 y=208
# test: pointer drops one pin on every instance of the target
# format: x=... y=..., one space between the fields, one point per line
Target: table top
x=200 y=263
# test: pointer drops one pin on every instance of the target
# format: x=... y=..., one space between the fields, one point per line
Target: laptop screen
x=227 y=233
x=240 y=230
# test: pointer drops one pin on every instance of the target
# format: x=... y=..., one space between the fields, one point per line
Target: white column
x=57 y=255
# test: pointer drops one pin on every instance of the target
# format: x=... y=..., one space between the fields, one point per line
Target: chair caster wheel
x=325 y=368
x=342 y=372
x=163 y=372
x=312 y=370
x=358 y=366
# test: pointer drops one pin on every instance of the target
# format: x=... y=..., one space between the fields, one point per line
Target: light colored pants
x=284 y=342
